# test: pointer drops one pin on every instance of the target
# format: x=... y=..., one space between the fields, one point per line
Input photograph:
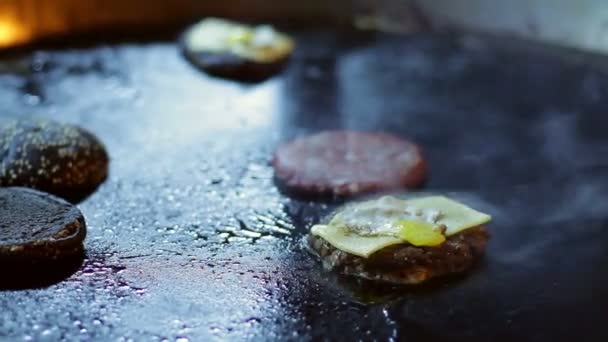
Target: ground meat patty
x=37 y=227
x=406 y=264
x=60 y=159
x=345 y=163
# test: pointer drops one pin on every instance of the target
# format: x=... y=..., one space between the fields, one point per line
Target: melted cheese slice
x=260 y=43
x=362 y=246
x=454 y=215
x=365 y=228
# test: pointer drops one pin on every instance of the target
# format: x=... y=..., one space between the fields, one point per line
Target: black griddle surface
x=190 y=239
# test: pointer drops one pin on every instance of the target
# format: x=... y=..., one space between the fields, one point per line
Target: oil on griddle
x=190 y=239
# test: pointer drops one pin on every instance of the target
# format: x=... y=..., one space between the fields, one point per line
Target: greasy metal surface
x=189 y=238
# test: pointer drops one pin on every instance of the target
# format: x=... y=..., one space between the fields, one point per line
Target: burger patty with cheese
x=401 y=241
x=234 y=50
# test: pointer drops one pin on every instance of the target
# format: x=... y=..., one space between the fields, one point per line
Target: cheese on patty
x=454 y=215
x=363 y=246
x=367 y=227
x=261 y=43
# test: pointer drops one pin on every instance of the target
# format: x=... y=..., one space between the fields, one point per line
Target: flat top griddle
x=190 y=239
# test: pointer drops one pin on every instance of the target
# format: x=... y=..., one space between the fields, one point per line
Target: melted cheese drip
x=260 y=43
x=367 y=227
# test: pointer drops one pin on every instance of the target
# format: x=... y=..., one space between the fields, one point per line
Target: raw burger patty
x=345 y=163
x=405 y=263
x=60 y=159
x=37 y=227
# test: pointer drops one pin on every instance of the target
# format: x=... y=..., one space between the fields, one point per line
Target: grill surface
x=189 y=238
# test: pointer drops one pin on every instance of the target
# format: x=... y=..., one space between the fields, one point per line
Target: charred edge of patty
x=231 y=66
x=405 y=263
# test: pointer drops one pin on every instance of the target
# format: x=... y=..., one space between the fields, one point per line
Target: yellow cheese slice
x=362 y=246
x=454 y=215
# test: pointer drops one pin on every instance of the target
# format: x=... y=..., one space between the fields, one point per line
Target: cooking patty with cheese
x=401 y=241
x=237 y=51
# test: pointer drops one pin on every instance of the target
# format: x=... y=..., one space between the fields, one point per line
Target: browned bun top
x=57 y=158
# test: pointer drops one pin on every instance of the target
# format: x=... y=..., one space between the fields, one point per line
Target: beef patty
x=405 y=263
x=348 y=163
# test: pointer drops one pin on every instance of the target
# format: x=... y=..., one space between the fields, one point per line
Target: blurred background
x=580 y=24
